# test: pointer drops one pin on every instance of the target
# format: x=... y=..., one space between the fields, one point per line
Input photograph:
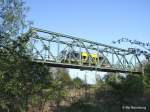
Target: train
x=75 y=57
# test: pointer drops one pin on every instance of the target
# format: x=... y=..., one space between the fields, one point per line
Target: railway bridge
x=61 y=50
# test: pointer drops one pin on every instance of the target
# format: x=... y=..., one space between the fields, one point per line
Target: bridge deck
x=84 y=67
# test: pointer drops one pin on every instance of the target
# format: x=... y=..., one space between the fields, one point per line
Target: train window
x=77 y=55
x=84 y=57
x=100 y=58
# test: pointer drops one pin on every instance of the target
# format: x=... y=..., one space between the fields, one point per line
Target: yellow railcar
x=95 y=57
x=74 y=57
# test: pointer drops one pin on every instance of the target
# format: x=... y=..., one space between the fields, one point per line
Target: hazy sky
x=97 y=20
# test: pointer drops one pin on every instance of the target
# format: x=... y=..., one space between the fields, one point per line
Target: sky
x=97 y=20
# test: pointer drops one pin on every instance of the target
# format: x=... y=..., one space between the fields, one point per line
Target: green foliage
x=61 y=80
x=147 y=75
x=18 y=76
x=23 y=82
x=19 y=79
x=82 y=106
x=134 y=85
x=114 y=91
x=12 y=16
x=128 y=87
x=63 y=75
x=77 y=82
x=59 y=92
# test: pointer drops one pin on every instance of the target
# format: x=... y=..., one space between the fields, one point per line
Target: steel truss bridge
x=60 y=50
